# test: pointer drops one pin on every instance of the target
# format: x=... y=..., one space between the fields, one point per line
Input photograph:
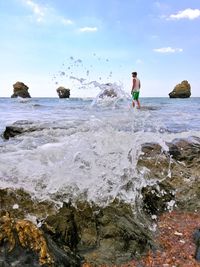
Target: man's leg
x=138 y=103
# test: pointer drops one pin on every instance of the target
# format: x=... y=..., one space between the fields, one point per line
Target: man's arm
x=133 y=86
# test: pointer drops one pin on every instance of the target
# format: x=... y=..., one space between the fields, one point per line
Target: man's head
x=134 y=74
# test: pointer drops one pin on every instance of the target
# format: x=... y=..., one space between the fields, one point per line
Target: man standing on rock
x=135 y=90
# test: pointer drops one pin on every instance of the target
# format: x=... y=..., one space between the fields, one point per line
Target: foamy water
x=88 y=148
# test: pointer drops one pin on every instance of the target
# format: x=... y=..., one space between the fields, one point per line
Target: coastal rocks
x=20 y=90
x=22 y=241
x=181 y=90
x=84 y=232
x=178 y=169
x=100 y=235
x=20 y=127
x=158 y=198
x=24 y=244
x=37 y=234
x=21 y=238
x=63 y=92
x=20 y=205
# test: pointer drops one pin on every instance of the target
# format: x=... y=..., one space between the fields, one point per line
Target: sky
x=70 y=43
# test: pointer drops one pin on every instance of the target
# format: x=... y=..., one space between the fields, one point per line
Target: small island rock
x=181 y=90
x=20 y=90
x=63 y=92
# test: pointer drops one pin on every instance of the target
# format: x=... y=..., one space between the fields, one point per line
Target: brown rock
x=63 y=92
x=181 y=90
x=20 y=90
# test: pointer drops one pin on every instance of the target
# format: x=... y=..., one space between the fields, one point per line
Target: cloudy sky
x=51 y=43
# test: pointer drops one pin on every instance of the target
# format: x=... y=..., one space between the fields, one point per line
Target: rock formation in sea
x=181 y=90
x=20 y=90
x=63 y=92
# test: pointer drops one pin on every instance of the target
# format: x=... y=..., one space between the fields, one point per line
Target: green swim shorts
x=135 y=95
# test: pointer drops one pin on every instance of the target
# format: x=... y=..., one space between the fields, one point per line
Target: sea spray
x=87 y=76
x=82 y=149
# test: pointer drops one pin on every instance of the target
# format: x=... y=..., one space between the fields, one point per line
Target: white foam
x=89 y=152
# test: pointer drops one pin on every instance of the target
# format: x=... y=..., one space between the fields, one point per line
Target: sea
x=81 y=147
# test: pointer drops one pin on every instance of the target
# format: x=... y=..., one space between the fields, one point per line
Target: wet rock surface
x=111 y=234
x=18 y=128
x=24 y=244
x=24 y=127
x=100 y=235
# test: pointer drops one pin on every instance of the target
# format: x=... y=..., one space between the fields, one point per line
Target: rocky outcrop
x=27 y=245
x=20 y=90
x=63 y=92
x=82 y=232
x=181 y=90
x=27 y=127
x=20 y=127
x=102 y=235
x=178 y=171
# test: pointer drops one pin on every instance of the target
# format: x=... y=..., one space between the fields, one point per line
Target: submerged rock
x=20 y=90
x=181 y=90
x=63 y=92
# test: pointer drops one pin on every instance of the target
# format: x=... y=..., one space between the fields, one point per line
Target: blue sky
x=51 y=43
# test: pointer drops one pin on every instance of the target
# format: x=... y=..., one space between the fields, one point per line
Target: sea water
x=88 y=148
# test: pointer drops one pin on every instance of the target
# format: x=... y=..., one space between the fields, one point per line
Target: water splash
x=82 y=75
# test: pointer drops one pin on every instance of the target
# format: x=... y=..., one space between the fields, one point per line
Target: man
x=135 y=90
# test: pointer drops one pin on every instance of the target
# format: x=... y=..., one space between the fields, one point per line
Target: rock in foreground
x=74 y=234
x=25 y=245
x=84 y=232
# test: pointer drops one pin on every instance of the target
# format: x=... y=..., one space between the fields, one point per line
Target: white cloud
x=38 y=10
x=186 y=14
x=88 y=29
x=66 y=21
x=168 y=50
x=46 y=14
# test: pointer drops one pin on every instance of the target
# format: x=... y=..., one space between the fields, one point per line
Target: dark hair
x=134 y=73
